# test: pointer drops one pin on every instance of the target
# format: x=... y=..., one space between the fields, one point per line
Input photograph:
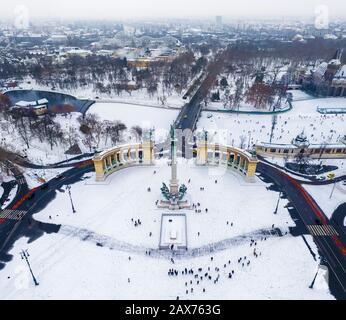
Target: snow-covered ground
x=36 y=177
x=41 y=153
x=304 y=116
x=141 y=97
x=301 y=95
x=245 y=107
x=10 y=197
x=7 y=178
x=133 y=115
x=339 y=163
x=89 y=257
x=328 y=197
x=128 y=188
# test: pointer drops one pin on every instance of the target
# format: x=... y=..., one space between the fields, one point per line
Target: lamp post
x=331 y=194
x=69 y=193
x=274 y=122
x=277 y=205
x=25 y=255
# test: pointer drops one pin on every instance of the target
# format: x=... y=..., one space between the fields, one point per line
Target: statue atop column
x=174 y=196
x=174 y=183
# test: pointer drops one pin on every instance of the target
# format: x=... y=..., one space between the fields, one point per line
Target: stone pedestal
x=174 y=205
x=174 y=187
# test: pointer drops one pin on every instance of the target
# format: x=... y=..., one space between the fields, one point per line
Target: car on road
x=331 y=175
x=185 y=116
x=209 y=116
x=318 y=222
x=321 y=178
x=32 y=196
x=59 y=177
x=44 y=187
x=344 y=182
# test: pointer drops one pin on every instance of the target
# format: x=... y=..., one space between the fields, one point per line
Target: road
x=332 y=247
x=32 y=201
x=189 y=115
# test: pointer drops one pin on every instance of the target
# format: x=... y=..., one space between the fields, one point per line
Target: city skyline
x=103 y=9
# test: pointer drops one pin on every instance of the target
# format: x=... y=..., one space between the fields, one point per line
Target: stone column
x=235 y=162
x=240 y=166
x=99 y=169
x=250 y=175
x=137 y=153
x=243 y=161
x=148 y=147
x=228 y=157
x=130 y=155
x=121 y=156
x=148 y=152
x=202 y=152
x=174 y=183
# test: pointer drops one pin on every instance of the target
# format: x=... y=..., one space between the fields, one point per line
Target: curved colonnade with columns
x=121 y=157
x=142 y=154
x=237 y=159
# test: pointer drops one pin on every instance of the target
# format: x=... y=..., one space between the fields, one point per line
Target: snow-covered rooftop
x=28 y=104
x=321 y=69
x=341 y=74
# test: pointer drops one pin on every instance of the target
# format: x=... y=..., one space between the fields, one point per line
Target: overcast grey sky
x=124 y=9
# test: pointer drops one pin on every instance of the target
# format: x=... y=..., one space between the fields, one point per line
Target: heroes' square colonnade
x=142 y=154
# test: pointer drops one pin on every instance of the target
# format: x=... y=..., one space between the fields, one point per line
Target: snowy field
x=140 y=97
x=339 y=163
x=36 y=177
x=5 y=178
x=327 y=198
x=10 y=197
x=133 y=115
x=257 y=128
x=40 y=152
x=100 y=254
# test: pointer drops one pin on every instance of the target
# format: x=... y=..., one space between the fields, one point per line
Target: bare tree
x=137 y=131
x=243 y=140
x=302 y=160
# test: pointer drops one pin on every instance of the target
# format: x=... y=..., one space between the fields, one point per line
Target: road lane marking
x=8 y=214
x=322 y=230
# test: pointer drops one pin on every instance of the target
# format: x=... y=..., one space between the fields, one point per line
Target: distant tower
x=218 y=21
